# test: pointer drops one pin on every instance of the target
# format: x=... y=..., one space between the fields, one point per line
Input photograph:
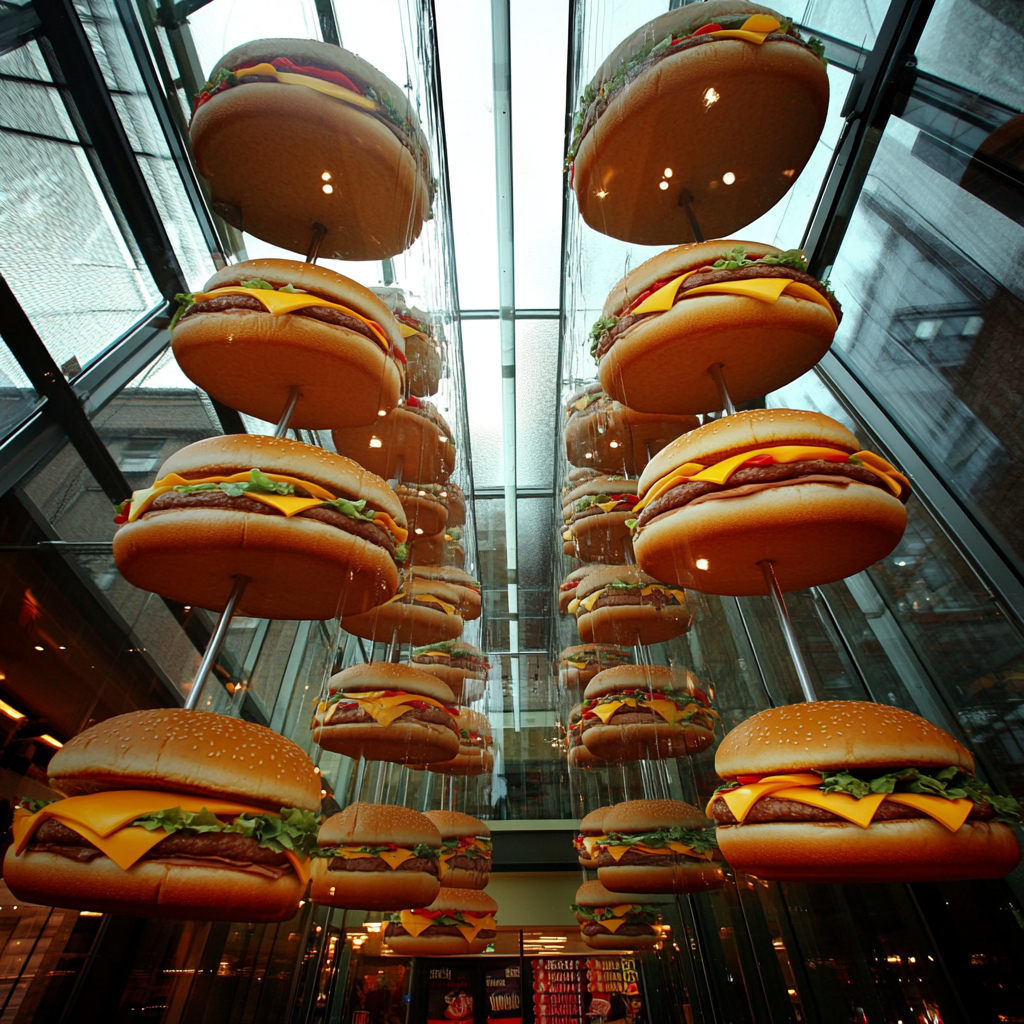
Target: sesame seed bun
x=628 y=624
x=594 y=894
x=832 y=735
x=383 y=675
x=592 y=824
x=575 y=676
x=651 y=815
x=767 y=115
x=264 y=146
x=455 y=824
x=195 y=752
x=373 y=824
x=410 y=620
x=655 y=678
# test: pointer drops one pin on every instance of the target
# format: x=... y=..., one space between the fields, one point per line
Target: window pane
x=536 y=400
x=482 y=356
x=855 y=21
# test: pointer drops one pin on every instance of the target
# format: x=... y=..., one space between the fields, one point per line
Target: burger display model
x=290 y=133
x=171 y=813
x=603 y=433
x=423 y=611
x=422 y=349
x=386 y=712
x=452 y=493
x=657 y=846
x=847 y=791
x=458 y=922
x=595 y=514
x=614 y=920
x=412 y=442
x=707 y=113
x=377 y=857
x=590 y=834
x=781 y=485
x=457 y=664
x=578 y=665
x=577 y=755
x=623 y=605
x=313 y=532
x=262 y=328
x=567 y=589
x=425 y=508
x=746 y=310
x=454 y=552
x=466 y=850
x=428 y=549
x=475 y=755
x=636 y=712
x=468 y=589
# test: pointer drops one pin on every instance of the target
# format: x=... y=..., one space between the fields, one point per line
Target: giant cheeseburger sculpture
x=847 y=791
x=780 y=485
x=293 y=133
x=314 y=533
x=171 y=813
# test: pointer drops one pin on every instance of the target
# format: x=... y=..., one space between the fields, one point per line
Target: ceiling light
x=10 y=712
x=61 y=648
x=588 y=455
x=372 y=926
x=702 y=563
x=38 y=648
x=48 y=739
x=418 y=531
x=376 y=442
x=728 y=177
x=328 y=189
x=668 y=172
x=421 y=494
x=663 y=185
x=382 y=412
x=711 y=96
x=443 y=439
x=444 y=494
x=790 y=172
x=87 y=913
x=613 y=444
x=326 y=176
x=601 y=194
x=316 y=771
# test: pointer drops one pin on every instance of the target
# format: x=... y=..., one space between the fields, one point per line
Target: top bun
x=594 y=894
x=674 y=262
x=383 y=675
x=831 y=735
x=600 y=578
x=594 y=821
x=464 y=899
x=601 y=485
x=308 y=277
x=445 y=574
x=744 y=431
x=378 y=823
x=454 y=824
x=651 y=815
x=313 y=53
x=656 y=678
x=577 y=574
x=196 y=752
x=234 y=453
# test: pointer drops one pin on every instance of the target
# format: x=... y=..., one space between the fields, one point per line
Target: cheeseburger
x=264 y=327
x=425 y=507
x=700 y=120
x=466 y=849
x=171 y=813
x=377 y=857
x=457 y=664
x=657 y=846
x=386 y=712
x=577 y=755
x=603 y=433
x=789 y=487
x=454 y=552
x=595 y=514
x=423 y=611
x=314 y=533
x=458 y=922
x=614 y=920
x=422 y=348
x=751 y=311
x=591 y=833
x=468 y=589
x=293 y=133
x=456 y=504
x=646 y=712
x=578 y=665
x=622 y=605
x=847 y=791
x=567 y=590
x=475 y=755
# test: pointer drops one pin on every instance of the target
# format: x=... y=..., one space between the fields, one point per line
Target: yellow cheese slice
x=287 y=504
x=587 y=603
x=738 y=33
x=666 y=483
x=573 y=605
x=434 y=654
x=951 y=813
x=613 y=924
x=860 y=812
x=449 y=609
x=617 y=852
x=663 y=299
x=384 y=710
x=278 y=303
x=414 y=924
x=398 y=532
x=589 y=842
x=739 y=801
x=350 y=853
x=338 y=92
x=410 y=332
x=605 y=711
x=469 y=931
x=395 y=858
x=689 y=851
x=607 y=506
x=765 y=289
x=722 y=471
x=761 y=23
x=622 y=909
x=677 y=594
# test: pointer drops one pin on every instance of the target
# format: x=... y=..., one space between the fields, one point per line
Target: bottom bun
x=477 y=763
x=908 y=850
x=151 y=888
x=687 y=876
x=460 y=878
x=601 y=538
x=581 y=757
x=400 y=742
x=620 y=941
x=408 y=623
x=629 y=624
x=372 y=890
x=646 y=742
x=436 y=945
x=454 y=678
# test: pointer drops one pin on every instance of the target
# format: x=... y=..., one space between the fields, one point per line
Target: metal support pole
x=319 y=233
x=685 y=198
x=282 y=426
x=723 y=391
x=394 y=648
x=216 y=642
x=775 y=591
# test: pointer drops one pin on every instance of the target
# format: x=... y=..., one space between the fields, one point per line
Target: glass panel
x=17 y=397
x=482 y=356
x=857 y=22
x=536 y=400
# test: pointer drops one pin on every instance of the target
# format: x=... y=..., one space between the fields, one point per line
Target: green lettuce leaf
x=258 y=482
x=700 y=840
x=601 y=327
x=737 y=258
x=32 y=804
x=639 y=913
x=401 y=552
x=184 y=300
x=352 y=509
x=257 y=282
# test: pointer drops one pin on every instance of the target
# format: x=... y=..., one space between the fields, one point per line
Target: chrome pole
x=775 y=592
x=313 y=252
x=723 y=392
x=282 y=427
x=216 y=642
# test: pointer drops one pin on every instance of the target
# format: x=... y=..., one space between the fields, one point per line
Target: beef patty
x=439 y=929
x=771 y=808
x=355 y=715
x=596 y=928
x=651 y=860
x=424 y=864
x=656 y=599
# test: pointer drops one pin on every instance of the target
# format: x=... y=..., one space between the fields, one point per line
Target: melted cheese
x=277 y=303
x=860 y=812
x=469 y=931
x=398 y=532
x=338 y=92
x=589 y=842
x=393 y=858
x=666 y=709
x=448 y=609
x=416 y=925
x=950 y=813
x=573 y=605
x=739 y=801
x=384 y=710
x=677 y=594
x=618 y=852
x=721 y=472
x=613 y=924
x=100 y=818
x=410 y=332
